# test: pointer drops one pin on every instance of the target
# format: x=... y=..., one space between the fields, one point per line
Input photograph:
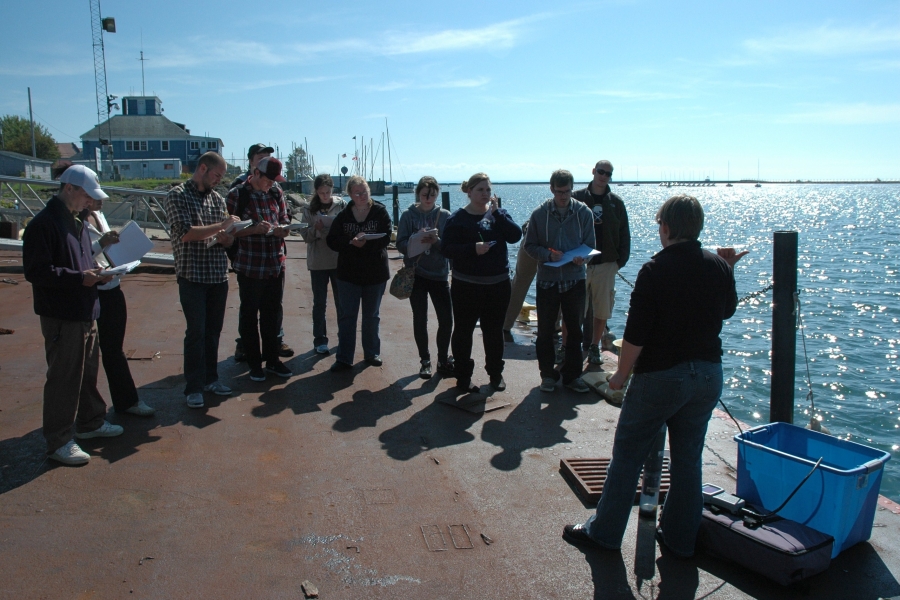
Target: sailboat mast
x=390 y=169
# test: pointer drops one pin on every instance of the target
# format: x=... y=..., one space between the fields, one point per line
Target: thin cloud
x=500 y=35
x=828 y=41
x=457 y=83
x=846 y=114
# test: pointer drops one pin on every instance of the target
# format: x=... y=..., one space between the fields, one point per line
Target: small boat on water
x=403 y=187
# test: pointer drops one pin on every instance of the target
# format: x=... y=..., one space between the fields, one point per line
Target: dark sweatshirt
x=367 y=265
x=464 y=230
x=55 y=253
x=680 y=298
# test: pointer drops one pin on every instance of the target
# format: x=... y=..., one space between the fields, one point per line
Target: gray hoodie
x=431 y=264
x=546 y=230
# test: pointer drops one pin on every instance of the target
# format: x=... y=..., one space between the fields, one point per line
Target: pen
x=482 y=237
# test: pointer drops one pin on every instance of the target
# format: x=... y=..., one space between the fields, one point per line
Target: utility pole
x=31 y=118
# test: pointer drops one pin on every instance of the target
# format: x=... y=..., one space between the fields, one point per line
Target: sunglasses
x=602 y=172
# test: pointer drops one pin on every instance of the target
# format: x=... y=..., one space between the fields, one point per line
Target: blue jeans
x=683 y=398
x=440 y=298
x=549 y=303
x=320 y=279
x=203 y=305
x=351 y=295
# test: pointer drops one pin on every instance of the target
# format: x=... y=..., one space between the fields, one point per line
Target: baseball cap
x=257 y=148
x=271 y=168
x=84 y=178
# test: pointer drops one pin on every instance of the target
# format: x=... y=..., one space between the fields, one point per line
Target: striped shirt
x=259 y=256
x=187 y=207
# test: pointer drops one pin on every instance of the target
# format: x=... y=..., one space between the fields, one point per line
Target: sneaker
x=323 y=349
x=578 y=385
x=277 y=367
x=239 y=355
x=375 y=361
x=498 y=383
x=71 y=454
x=560 y=355
x=105 y=430
x=195 y=400
x=218 y=388
x=340 y=366
x=577 y=535
x=594 y=356
x=285 y=350
x=548 y=384
x=425 y=370
x=141 y=409
x=257 y=374
x=446 y=367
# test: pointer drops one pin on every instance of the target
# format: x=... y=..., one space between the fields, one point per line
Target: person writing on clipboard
x=360 y=234
x=557 y=226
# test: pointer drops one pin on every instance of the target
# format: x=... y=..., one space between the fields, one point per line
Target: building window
x=124 y=167
x=211 y=145
x=195 y=145
x=168 y=167
x=135 y=146
x=165 y=145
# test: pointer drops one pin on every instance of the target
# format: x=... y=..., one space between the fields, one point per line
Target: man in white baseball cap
x=58 y=261
x=84 y=178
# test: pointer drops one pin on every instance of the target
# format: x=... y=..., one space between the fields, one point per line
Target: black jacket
x=610 y=225
x=367 y=265
x=55 y=256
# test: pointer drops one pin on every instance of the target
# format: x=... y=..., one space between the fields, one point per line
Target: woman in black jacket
x=360 y=235
x=475 y=239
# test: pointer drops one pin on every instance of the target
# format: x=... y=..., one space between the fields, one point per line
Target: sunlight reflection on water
x=849 y=237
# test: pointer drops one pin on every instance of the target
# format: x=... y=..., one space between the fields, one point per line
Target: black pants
x=260 y=305
x=440 y=298
x=471 y=302
x=111 y=333
x=549 y=304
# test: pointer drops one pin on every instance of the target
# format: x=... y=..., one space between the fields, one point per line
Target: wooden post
x=784 y=327
x=445 y=200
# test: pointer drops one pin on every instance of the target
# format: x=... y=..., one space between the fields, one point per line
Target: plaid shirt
x=260 y=256
x=187 y=207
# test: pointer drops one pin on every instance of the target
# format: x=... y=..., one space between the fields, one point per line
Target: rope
x=752 y=295
x=809 y=396
x=622 y=277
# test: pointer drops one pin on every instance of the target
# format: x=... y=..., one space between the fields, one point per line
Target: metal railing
x=26 y=199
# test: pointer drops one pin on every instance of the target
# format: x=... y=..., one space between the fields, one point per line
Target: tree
x=297 y=164
x=15 y=133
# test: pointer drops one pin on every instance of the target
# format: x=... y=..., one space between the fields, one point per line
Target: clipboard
x=133 y=245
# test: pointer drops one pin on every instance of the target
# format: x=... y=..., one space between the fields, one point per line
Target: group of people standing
x=576 y=242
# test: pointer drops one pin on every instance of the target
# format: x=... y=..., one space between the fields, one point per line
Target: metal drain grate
x=589 y=475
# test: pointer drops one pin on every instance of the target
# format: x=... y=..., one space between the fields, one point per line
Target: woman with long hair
x=424 y=223
x=360 y=234
x=475 y=239
x=320 y=259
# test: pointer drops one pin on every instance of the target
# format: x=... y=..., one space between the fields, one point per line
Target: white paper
x=133 y=245
x=416 y=245
x=373 y=236
x=584 y=251
x=232 y=228
x=121 y=269
x=325 y=220
x=290 y=227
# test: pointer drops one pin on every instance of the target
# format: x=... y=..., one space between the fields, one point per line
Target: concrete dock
x=364 y=484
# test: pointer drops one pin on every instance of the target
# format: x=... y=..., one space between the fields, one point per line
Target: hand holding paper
x=584 y=251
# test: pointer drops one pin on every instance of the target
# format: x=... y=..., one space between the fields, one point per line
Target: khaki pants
x=526 y=269
x=70 y=394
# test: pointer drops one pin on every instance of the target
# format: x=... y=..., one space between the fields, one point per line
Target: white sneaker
x=323 y=349
x=218 y=388
x=105 y=430
x=195 y=400
x=141 y=409
x=71 y=454
x=548 y=384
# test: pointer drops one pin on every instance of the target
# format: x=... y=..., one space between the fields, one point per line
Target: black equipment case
x=782 y=550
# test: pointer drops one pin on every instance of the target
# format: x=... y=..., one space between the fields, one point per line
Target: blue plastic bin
x=838 y=499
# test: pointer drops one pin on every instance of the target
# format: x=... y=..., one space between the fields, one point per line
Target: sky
x=664 y=90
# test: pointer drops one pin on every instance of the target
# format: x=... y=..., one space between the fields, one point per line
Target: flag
x=343 y=156
x=355 y=158
x=354 y=137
